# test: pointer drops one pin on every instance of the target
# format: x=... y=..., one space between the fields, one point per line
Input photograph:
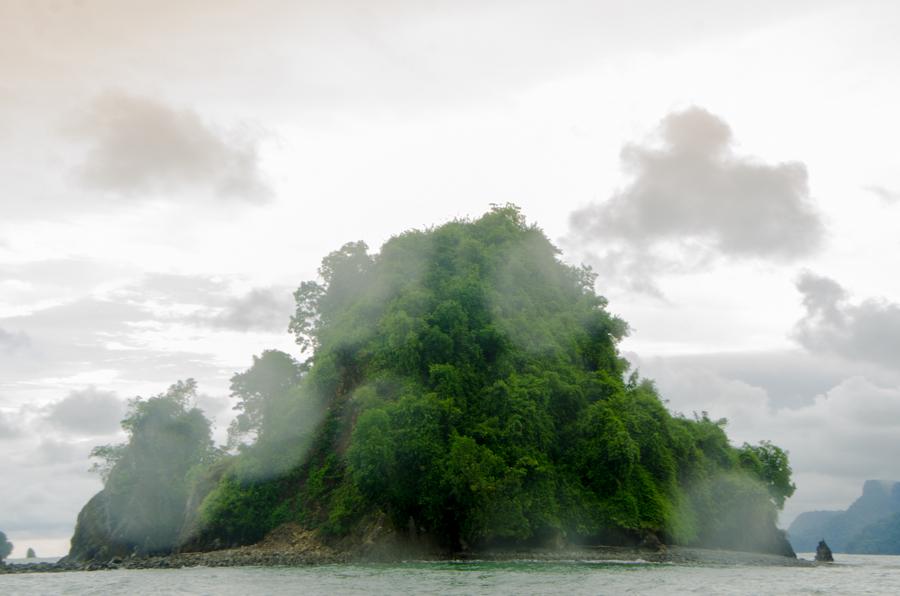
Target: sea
x=851 y=574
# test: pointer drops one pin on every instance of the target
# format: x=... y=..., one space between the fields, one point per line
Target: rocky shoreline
x=253 y=556
x=291 y=545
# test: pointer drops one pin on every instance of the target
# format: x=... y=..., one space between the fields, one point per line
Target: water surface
x=856 y=574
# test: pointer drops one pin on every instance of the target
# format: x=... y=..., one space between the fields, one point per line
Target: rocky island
x=463 y=393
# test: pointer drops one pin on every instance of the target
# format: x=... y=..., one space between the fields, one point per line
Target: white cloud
x=885 y=194
x=10 y=342
x=10 y=426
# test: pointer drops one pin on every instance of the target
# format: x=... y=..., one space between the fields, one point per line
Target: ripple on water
x=857 y=574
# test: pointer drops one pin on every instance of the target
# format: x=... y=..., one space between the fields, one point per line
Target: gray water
x=854 y=574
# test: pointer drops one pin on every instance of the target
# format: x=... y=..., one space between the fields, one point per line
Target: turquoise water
x=853 y=575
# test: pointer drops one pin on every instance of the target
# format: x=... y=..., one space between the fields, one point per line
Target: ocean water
x=853 y=574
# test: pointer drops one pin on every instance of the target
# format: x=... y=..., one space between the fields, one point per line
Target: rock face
x=95 y=538
x=870 y=525
x=92 y=538
x=823 y=553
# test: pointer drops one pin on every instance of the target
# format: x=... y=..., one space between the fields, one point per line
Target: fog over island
x=173 y=170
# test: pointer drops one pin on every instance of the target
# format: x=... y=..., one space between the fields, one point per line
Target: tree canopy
x=146 y=479
x=464 y=384
x=6 y=546
x=471 y=382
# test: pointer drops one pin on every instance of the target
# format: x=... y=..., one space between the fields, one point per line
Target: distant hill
x=880 y=538
x=870 y=525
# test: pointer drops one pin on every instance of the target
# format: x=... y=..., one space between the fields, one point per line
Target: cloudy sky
x=172 y=170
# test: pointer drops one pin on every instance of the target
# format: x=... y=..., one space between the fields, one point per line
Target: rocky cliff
x=870 y=525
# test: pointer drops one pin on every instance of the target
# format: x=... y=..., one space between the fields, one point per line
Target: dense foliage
x=463 y=384
x=6 y=546
x=146 y=480
x=466 y=384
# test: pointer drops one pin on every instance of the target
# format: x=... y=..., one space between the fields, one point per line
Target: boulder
x=823 y=553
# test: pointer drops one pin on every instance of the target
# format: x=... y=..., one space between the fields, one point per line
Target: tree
x=271 y=378
x=5 y=546
x=145 y=479
x=30 y=554
x=467 y=383
x=769 y=463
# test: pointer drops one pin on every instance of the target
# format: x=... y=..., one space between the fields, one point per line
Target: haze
x=173 y=170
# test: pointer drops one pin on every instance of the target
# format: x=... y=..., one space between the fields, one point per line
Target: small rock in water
x=823 y=553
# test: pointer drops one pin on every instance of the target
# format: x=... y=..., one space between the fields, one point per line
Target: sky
x=171 y=171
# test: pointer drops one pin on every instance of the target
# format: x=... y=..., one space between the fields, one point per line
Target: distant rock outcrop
x=823 y=553
x=870 y=525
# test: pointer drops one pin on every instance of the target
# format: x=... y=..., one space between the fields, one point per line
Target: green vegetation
x=6 y=546
x=463 y=384
x=146 y=480
x=471 y=386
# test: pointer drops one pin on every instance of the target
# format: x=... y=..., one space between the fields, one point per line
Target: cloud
x=691 y=199
x=11 y=342
x=836 y=437
x=868 y=331
x=885 y=194
x=790 y=378
x=10 y=427
x=140 y=146
x=260 y=309
x=99 y=341
x=48 y=491
x=87 y=412
x=211 y=302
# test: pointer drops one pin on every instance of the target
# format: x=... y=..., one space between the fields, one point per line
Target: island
x=462 y=394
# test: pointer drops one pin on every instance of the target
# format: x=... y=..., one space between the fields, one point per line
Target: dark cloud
x=692 y=197
x=885 y=194
x=868 y=331
x=260 y=309
x=87 y=412
x=141 y=146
